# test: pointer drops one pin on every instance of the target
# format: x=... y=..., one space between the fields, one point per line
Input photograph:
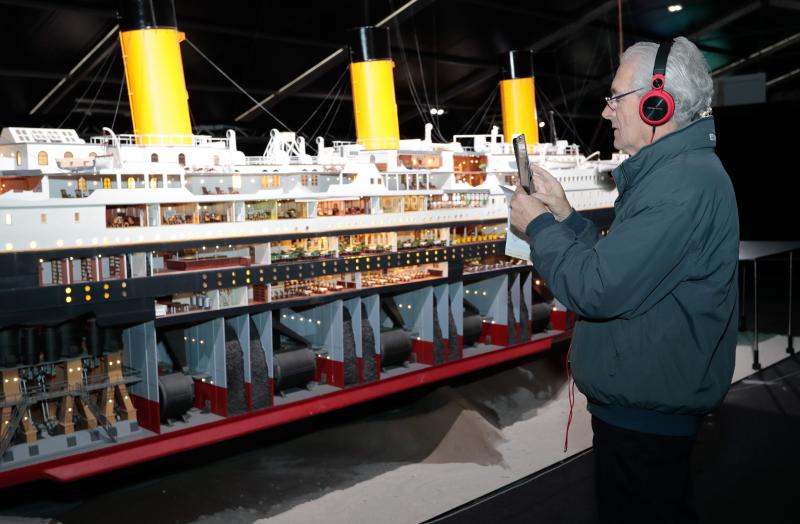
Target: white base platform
x=417 y=492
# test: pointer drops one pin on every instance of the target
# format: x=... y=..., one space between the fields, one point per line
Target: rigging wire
x=411 y=85
x=88 y=88
x=469 y=121
x=337 y=98
x=595 y=64
x=619 y=25
x=598 y=128
x=99 y=88
x=122 y=82
x=237 y=86
x=492 y=98
x=333 y=118
x=336 y=85
x=424 y=115
x=571 y=126
x=548 y=103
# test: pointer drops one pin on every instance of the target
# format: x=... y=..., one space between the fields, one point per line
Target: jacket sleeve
x=622 y=274
x=584 y=229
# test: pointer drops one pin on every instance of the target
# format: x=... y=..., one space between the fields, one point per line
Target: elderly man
x=653 y=349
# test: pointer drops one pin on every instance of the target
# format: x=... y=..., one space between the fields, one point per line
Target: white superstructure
x=60 y=191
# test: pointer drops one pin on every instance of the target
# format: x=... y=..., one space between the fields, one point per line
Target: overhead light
x=541 y=124
x=674 y=8
x=437 y=111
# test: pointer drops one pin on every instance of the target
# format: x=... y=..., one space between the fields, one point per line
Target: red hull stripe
x=90 y=463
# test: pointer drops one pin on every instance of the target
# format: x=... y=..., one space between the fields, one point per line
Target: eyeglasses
x=612 y=101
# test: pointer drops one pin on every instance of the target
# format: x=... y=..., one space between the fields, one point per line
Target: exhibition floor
x=415 y=456
x=745 y=462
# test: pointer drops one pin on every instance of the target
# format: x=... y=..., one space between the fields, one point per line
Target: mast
x=371 y=75
x=518 y=98
x=151 y=52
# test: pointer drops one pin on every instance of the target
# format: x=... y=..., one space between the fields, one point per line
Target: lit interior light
x=674 y=8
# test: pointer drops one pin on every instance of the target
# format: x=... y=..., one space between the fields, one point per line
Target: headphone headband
x=660 y=66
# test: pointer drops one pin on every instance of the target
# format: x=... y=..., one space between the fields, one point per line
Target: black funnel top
x=516 y=64
x=369 y=43
x=146 y=14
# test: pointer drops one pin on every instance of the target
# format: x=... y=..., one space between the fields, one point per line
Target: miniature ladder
x=87 y=401
x=16 y=417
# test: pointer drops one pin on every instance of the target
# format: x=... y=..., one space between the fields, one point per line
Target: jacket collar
x=699 y=134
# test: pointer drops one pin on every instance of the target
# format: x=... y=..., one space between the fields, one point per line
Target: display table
x=751 y=251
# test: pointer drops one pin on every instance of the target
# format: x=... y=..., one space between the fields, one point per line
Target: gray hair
x=687 y=78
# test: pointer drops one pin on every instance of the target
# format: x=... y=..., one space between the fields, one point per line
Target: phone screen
x=523 y=166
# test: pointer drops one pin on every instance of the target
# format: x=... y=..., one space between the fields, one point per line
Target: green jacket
x=654 y=346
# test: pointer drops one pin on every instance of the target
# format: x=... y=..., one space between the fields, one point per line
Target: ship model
x=161 y=291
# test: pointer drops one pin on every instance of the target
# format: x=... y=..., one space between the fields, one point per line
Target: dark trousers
x=641 y=477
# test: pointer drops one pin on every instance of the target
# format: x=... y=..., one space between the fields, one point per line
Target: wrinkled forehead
x=623 y=80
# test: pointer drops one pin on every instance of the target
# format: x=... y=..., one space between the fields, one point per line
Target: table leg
x=743 y=299
x=790 y=346
x=756 y=364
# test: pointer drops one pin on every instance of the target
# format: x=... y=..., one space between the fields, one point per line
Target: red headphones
x=657 y=105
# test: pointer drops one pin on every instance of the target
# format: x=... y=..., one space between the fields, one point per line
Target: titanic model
x=160 y=291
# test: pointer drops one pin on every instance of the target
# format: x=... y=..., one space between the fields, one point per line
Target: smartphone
x=523 y=164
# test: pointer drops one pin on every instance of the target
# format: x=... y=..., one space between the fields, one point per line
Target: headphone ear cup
x=656 y=107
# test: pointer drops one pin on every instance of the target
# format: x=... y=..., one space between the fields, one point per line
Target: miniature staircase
x=16 y=417
x=88 y=401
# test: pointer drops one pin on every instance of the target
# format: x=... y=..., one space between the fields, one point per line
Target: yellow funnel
x=518 y=98
x=372 y=79
x=154 y=73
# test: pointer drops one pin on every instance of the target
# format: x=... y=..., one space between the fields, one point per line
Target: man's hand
x=524 y=208
x=550 y=193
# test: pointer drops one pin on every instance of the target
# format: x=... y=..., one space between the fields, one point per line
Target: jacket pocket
x=594 y=360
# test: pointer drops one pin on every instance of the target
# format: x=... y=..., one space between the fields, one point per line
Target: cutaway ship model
x=161 y=291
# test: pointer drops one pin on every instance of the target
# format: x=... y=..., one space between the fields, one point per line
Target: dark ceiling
x=445 y=52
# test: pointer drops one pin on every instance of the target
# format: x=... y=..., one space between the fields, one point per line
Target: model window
x=42 y=158
x=182 y=159
x=92 y=155
x=131 y=183
x=77 y=217
x=153 y=181
x=44 y=218
x=8 y=219
x=106 y=183
x=82 y=184
x=154 y=157
x=216 y=160
x=67 y=154
x=19 y=158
